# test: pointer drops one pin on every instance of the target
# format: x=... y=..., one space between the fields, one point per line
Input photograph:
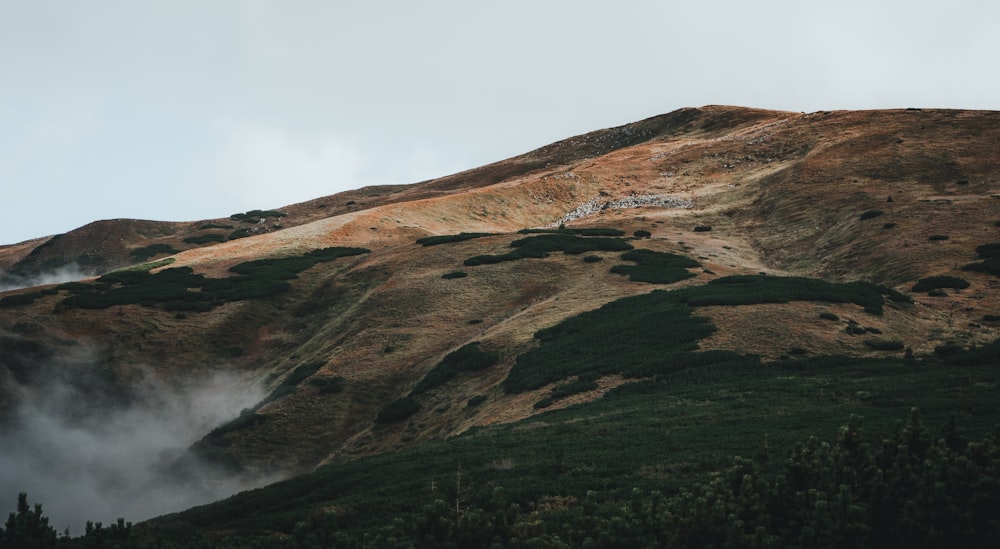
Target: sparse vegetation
x=870 y=214
x=449 y=238
x=888 y=225
x=475 y=401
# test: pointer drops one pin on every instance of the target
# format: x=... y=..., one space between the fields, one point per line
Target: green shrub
x=870 y=214
x=332 y=384
x=935 y=237
x=26 y=298
x=207 y=226
x=593 y=259
x=147 y=252
x=937 y=282
x=544 y=403
x=475 y=401
x=541 y=246
x=655 y=267
x=854 y=328
x=826 y=315
x=398 y=410
x=948 y=349
x=179 y=289
x=594 y=231
x=468 y=358
x=582 y=385
x=205 y=238
x=884 y=344
x=642 y=234
x=990 y=253
x=240 y=233
x=702 y=228
x=254 y=216
x=455 y=274
x=449 y=238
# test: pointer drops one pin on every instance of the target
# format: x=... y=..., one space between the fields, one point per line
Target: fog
x=68 y=273
x=89 y=450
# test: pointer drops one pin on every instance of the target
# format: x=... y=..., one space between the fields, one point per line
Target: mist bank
x=91 y=448
x=69 y=273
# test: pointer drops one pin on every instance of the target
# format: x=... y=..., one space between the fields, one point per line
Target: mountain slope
x=887 y=197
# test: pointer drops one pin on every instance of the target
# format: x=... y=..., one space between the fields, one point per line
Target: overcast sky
x=181 y=110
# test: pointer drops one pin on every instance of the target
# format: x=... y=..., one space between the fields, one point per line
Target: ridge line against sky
x=184 y=110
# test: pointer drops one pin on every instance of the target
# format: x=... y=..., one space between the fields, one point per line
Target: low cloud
x=91 y=448
x=68 y=273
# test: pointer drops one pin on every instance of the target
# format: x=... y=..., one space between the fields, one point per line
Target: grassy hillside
x=515 y=348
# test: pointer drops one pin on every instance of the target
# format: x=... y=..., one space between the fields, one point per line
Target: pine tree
x=28 y=528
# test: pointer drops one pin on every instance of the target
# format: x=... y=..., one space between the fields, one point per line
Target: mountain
x=393 y=319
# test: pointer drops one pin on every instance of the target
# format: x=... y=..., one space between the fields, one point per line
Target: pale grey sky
x=181 y=110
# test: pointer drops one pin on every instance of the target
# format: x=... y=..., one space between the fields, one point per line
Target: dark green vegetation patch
x=592 y=231
x=147 y=252
x=938 y=282
x=449 y=238
x=540 y=246
x=180 y=289
x=468 y=358
x=884 y=344
x=254 y=216
x=455 y=274
x=26 y=298
x=656 y=333
x=398 y=410
x=655 y=267
x=205 y=238
x=990 y=253
x=870 y=214
x=298 y=375
x=653 y=467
